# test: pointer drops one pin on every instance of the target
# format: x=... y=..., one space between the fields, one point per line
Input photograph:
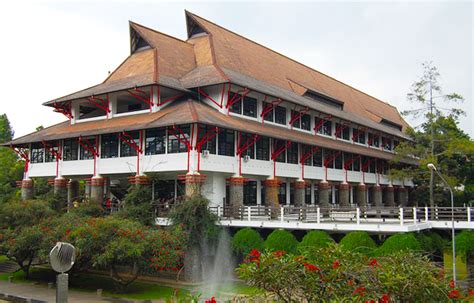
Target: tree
x=245 y=240
x=358 y=241
x=465 y=247
x=438 y=139
x=315 y=238
x=399 y=242
x=138 y=206
x=281 y=240
x=18 y=214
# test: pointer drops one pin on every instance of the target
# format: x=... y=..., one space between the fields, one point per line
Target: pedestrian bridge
x=377 y=220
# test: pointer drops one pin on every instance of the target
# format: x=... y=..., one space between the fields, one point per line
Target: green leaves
x=245 y=240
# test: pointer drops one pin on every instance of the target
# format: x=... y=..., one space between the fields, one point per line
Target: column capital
x=272 y=182
x=300 y=184
x=236 y=180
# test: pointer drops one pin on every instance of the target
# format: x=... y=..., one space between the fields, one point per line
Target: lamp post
x=433 y=168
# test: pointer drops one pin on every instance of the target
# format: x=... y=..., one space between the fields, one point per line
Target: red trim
x=298 y=116
x=177 y=133
x=356 y=131
x=278 y=152
x=84 y=143
x=64 y=108
x=321 y=122
x=143 y=96
x=241 y=149
x=340 y=128
x=103 y=104
x=22 y=153
x=169 y=99
x=127 y=139
x=235 y=98
x=305 y=157
x=209 y=135
x=54 y=153
x=204 y=94
x=351 y=161
x=365 y=166
x=332 y=158
x=270 y=106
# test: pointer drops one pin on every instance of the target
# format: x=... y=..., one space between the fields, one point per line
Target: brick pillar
x=344 y=195
x=97 y=190
x=402 y=196
x=271 y=196
x=72 y=192
x=192 y=184
x=27 y=189
x=192 y=264
x=60 y=187
x=324 y=189
x=87 y=189
x=300 y=187
x=362 y=196
x=389 y=196
x=139 y=180
x=377 y=198
x=236 y=195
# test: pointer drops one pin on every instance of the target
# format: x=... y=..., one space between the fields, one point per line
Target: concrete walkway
x=39 y=293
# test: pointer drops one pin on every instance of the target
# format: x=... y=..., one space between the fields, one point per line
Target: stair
x=8 y=267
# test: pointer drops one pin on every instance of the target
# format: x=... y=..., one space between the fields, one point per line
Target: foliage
x=281 y=240
x=359 y=241
x=138 y=205
x=88 y=209
x=245 y=240
x=399 y=242
x=465 y=242
x=431 y=243
x=16 y=214
x=333 y=274
x=315 y=238
x=195 y=218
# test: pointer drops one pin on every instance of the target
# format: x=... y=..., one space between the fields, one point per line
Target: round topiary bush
x=315 y=238
x=245 y=240
x=432 y=243
x=359 y=241
x=281 y=240
x=399 y=242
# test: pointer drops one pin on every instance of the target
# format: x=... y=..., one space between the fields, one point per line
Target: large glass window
x=292 y=153
x=277 y=145
x=109 y=146
x=236 y=107
x=53 y=146
x=338 y=161
x=226 y=143
x=250 y=193
x=37 y=153
x=316 y=193
x=324 y=127
x=263 y=148
x=210 y=145
x=329 y=158
x=318 y=158
x=155 y=140
x=372 y=165
x=373 y=140
x=250 y=107
x=244 y=138
x=280 y=115
x=387 y=143
x=70 y=149
x=358 y=135
x=306 y=149
x=342 y=131
x=348 y=159
x=86 y=154
x=125 y=149
x=175 y=145
x=269 y=114
x=356 y=164
x=304 y=122
x=282 y=193
x=307 y=193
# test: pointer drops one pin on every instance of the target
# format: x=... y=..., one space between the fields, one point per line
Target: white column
x=155 y=99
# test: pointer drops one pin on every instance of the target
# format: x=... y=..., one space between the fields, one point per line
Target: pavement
x=40 y=294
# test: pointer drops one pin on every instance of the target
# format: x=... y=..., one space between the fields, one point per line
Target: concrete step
x=8 y=266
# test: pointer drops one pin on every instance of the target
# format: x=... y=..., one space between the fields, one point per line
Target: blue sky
x=52 y=48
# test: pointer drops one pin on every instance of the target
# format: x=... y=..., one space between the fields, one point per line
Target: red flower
x=311 y=267
x=211 y=300
x=370 y=301
x=470 y=292
x=336 y=264
x=279 y=253
x=350 y=282
x=454 y=294
x=385 y=299
x=254 y=256
x=373 y=262
x=452 y=284
x=359 y=291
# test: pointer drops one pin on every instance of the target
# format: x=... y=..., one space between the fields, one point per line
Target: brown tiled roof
x=184 y=112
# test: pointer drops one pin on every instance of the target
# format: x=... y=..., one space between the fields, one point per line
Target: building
x=220 y=114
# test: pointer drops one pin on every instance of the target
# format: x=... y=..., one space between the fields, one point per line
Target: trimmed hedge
x=281 y=240
x=359 y=241
x=316 y=238
x=245 y=240
x=399 y=242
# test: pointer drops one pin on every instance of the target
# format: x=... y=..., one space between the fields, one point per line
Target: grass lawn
x=461 y=269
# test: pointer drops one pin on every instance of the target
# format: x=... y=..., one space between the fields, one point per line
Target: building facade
x=224 y=116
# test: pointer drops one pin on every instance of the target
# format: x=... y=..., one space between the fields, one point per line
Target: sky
x=53 y=48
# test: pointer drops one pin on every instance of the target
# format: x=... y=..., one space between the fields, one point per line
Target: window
x=342 y=131
x=316 y=193
x=164 y=190
x=155 y=140
x=356 y=164
x=263 y=148
x=282 y=193
x=303 y=122
x=358 y=136
x=329 y=158
x=70 y=149
x=323 y=99
x=307 y=194
x=244 y=138
x=305 y=149
x=292 y=153
x=175 y=145
x=373 y=140
x=372 y=165
x=395 y=143
x=226 y=143
x=236 y=107
x=210 y=145
x=386 y=143
x=37 y=153
x=250 y=193
x=348 y=158
x=324 y=127
x=125 y=149
x=318 y=158
x=85 y=154
x=48 y=155
x=250 y=107
x=280 y=115
x=109 y=146
x=277 y=145
x=364 y=163
x=269 y=114
x=338 y=161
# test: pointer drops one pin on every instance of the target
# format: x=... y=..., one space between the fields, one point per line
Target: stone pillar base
x=139 y=180
x=402 y=196
x=193 y=184
x=377 y=198
x=344 y=198
x=300 y=187
x=27 y=189
x=97 y=190
x=60 y=186
x=236 y=196
x=389 y=196
x=192 y=264
x=271 y=196
x=324 y=189
x=362 y=196
x=72 y=193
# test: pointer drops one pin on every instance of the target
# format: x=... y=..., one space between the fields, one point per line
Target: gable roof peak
x=193 y=27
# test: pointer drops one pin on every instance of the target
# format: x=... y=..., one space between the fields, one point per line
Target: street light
x=432 y=167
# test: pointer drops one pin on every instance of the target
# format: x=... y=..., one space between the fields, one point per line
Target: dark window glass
x=347 y=160
x=282 y=194
x=324 y=126
x=356 y=164
x=262 y=192
x=336 y=194
x=236 y=107
x=53 y=146
x=318 y=158
x=155 y=140
x=250 y=107
x=263 y=148
x=226 y=143
x=268 y=115
x=277 y=145
x=306 y=149
x=328 y=158
x=210 y=145
x=364 y=163
x=280 y=115
x=306 y=122
x=244 y=138
x=296 y=123
x=292 y=153
x=70 y=149
x=387 y=143
x=109 y=146
x=250 y=193
x=125 y=149
x=358 y=136
x=372 y=166
x=175 y=145
x=338 y=161
x=307 y=194
x=37 y=153
x=342 y=131
x=395 y=143
x=373 y=140
x=164 y=191
x=292 y=193
x=85 y=154
x=316 y=193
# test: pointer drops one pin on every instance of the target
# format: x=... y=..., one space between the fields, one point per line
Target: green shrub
x=245 y=240
x=431 y=242
x=281 y=240
x=358 y=241
x=399 y=242
x=315 y=238
x=137 y=206
x=465 y=242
